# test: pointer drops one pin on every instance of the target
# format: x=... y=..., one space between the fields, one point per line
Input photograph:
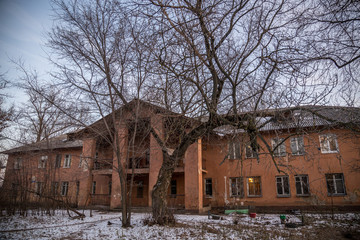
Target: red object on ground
x=252 y=215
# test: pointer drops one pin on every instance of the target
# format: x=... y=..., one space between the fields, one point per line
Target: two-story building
x=306 y=158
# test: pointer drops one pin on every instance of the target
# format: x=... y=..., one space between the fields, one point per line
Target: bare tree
x=226 y=62
x=96 y=50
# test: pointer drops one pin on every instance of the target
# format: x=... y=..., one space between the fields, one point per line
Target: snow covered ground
x=107 y=225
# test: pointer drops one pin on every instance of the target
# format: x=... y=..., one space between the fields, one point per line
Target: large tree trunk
x=161 y=213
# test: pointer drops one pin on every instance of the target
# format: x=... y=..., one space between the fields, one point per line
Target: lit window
x=42 y=162
x=282 y=186
x=297 y=145
x=302 y=185
x=335 y=184
x=208 y=187
x=254 y=186
x=278 y=146
x=64 y=188
x=67 y=161
x=236 y=187
x=328 y=143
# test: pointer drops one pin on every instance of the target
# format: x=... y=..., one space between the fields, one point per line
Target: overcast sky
x=23 y=26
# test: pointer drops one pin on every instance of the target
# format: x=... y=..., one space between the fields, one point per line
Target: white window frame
x=299 y=146
x=248 y=182
x=234 y=149
x=67 y=161
x=42 y=161
x=280 y=151
x=299 y=181
x=239 y=186
x=18 y=163
x=64 y=188
x=282 y=182
x=334 y=180
x=324 y=141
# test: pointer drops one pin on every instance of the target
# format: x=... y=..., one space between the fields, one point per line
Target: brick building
x=309 y=156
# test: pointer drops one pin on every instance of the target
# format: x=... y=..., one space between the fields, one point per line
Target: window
x=249 y=152
x=234 y=149
x=42 y=162
x=282 y=186
x=328 y=143
x=67 y=161
x=93 y=188
x=278 y=146
x=58 y=161
x=297 y=145
x=77 y=188
x=335 y=184
x=39 y=189
x=147 y=158
x=173 y=187
x=302 y=185
x=140 y=190
x=236 y=187
x=208 y=187
x=81 y=161
x=54 y=188
x=254 y=186
x=64 y=188
x=18 y=163
x=110 y=186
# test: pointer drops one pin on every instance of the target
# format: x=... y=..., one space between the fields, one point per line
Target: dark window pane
x=173 y=187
